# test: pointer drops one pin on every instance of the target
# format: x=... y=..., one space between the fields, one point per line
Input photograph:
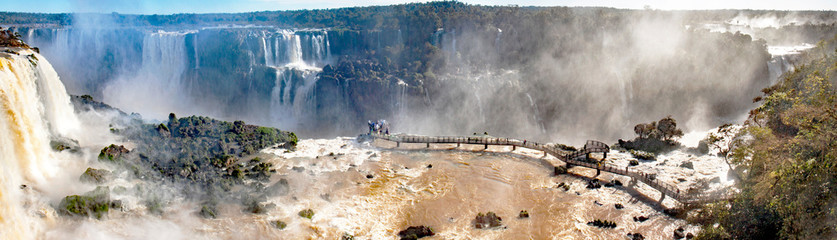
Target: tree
x=668 y=128
x=726 y=139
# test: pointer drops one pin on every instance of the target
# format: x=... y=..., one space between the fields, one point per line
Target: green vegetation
x=307 y=213
x=654 y=137
x=788 y=162
x=113 y=153
x=279 y=224
x=95 y=203
x=201 y=153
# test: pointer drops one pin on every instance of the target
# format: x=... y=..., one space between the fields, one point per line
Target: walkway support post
x=457 y=144
x=428 y=145
x=486 y=147
x=397 y=144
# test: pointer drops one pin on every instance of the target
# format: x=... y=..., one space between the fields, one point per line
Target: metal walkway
x=577 y=158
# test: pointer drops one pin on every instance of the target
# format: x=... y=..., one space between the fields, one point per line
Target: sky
x=229 y=6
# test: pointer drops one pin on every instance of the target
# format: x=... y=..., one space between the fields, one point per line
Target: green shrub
x=307 y=213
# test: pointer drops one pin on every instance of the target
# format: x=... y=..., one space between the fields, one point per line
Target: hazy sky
x=205 y=6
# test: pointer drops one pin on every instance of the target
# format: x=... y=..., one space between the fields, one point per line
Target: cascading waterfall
x=781 y=59
x=777 y=65
x=296 y=57
x=292 y=98
x=35 y=107
x=164 y=61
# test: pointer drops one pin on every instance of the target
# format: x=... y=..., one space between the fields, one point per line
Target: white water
x=35 y=107
x=781 y=59
x=156 y=89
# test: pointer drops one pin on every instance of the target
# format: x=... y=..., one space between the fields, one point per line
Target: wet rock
x=688 y=165
x=633 y=162
x=671 y=212
x=307 y=213
x=208 y=211
x=154 y=206
x=564 y=186
x=429 y=165
x=488 y=220
x=636 y=236
x=594 y=184
x=690 y=236
x=61 y=143
x=619 y=206
x=643 y=155
x=258 y=208
x=602 y=223
x=616 y=183
x=640 y=219
x=280 y=188
x=96 y=176
x=95 y=203
x=416 y=232
x=523 y=214
x=279 y=224
x=116 y=204
x=347 y=236
x=681 y=179
x=113 y=153
x=369 y=176
x=560 y=170
x=679 y=233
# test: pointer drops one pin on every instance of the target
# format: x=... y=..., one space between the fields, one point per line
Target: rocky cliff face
x=518 y=77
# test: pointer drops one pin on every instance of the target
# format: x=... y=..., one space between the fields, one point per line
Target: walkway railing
x=573 y=158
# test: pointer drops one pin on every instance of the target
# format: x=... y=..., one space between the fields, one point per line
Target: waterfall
x=164 y=61
x=536 y=114
x=781 y=59
x=400 y=39
x=400 y=105
x=292 y=97
x=195 y=48
x=777 y=65
x=327 y=46
x=453 y=43
x=295 y=52
x=497 y=39
x=35 y=106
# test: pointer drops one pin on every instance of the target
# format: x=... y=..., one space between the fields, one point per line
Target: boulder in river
x=488 y=220
x=523 y=214
x=416 y=232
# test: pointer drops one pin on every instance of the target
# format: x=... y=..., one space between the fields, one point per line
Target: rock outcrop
x=416 y=232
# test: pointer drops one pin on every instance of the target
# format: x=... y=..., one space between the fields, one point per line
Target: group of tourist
x=379 y=127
